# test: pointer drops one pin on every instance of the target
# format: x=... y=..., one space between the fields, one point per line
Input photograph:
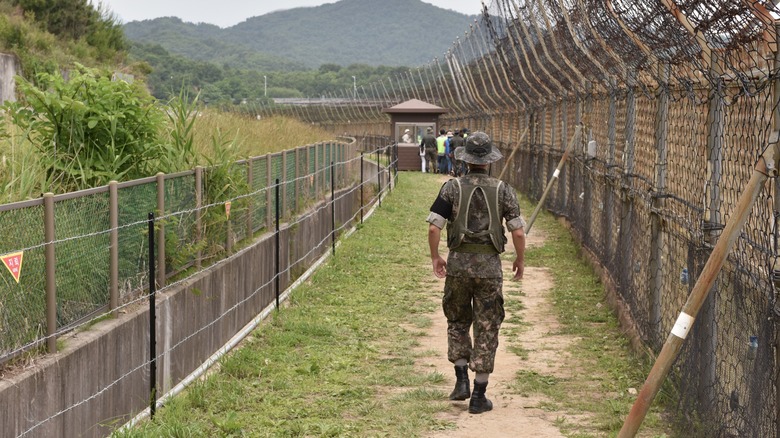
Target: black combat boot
x=461 y=391
x=479 y=403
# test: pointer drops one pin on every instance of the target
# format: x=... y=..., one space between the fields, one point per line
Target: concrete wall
x=9 y=67
x=99 y=380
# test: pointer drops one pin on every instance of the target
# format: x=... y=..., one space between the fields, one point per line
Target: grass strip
x=603 y=368
x=340 y=359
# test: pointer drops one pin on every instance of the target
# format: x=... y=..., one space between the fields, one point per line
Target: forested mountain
x=372 y=32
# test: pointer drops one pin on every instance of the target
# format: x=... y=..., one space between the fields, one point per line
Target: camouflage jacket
x=445 y=208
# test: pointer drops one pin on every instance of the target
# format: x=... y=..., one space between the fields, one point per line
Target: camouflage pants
x=473 y=304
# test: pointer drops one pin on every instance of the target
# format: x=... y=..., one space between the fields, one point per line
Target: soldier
x=458 y=166
x=428 y=147
x=473 y=207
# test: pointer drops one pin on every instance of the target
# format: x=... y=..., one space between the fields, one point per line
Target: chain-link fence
x=99 y=251
x=677 y=101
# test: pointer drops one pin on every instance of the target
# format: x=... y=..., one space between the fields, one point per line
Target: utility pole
x=265 y=86
x=354 y=87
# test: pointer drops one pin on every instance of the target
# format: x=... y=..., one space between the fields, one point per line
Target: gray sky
x=225 y=13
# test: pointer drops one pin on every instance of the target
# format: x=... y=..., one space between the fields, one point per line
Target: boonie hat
x=478 y=150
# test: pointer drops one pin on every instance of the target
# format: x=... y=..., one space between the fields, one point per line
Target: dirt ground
x=512 y=415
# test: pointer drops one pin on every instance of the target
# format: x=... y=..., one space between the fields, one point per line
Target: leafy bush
x=89 y=129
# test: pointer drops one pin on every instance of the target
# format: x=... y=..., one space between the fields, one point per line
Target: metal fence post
x=277 y=252
x=269 y=195
x=152 y=322
x=658 y=238
x=707 y=328
x=378 y=178
x=563 y=188
x=161 y=230
x=113 y=218
x=198 y=214
x=625 y=233
x=317 y=164
x=250 y=182
x=51 y=263
x=285 y=183
x=333 y=208
x=610 y=184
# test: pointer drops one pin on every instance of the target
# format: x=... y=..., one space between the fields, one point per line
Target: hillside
x=372 y=32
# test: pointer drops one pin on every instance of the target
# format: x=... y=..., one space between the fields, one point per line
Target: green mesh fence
x=291 y=185
x=23 y=304
x=82 y=263
x=239 y=207
x=260 y=190
x=277 y=173
x=180 y=233
x=83 y=233
x=135 y=204
x=312 y=166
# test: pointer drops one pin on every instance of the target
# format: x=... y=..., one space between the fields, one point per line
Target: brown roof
x=414 y=106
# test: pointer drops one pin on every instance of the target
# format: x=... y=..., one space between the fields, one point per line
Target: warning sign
x=227 y=209
x=13 y=262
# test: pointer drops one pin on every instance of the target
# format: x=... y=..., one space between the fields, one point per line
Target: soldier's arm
x=441 y=210
x=439 y=264
x=516 y=226
x=518 y=240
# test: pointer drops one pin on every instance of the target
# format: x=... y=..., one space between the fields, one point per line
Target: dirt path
x=513 y=415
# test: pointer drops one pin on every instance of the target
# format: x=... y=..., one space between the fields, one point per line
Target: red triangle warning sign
x=13 y=262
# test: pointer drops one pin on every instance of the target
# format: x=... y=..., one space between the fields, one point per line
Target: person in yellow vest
x=475 y=208
x=441 y=150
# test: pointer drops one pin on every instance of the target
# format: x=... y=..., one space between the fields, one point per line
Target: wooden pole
x=552 y=180
x=700 y=291
x=512 y=155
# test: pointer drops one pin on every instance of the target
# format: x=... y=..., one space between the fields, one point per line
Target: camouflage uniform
x=458 y=166
x=473 y=287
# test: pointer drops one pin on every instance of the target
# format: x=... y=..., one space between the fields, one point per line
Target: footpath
x=513 y=414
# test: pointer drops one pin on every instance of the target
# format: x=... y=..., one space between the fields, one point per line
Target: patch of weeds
x=519 y=351
x=422 y=322
x=531 y=382
x=605 y=366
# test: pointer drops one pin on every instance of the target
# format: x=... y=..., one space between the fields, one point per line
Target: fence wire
x=677 y=101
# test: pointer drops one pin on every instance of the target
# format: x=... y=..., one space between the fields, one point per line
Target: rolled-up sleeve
x=436 y=219
x=512 y=216
x=515 y=224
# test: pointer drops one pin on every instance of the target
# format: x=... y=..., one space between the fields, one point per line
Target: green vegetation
x=603 y=366
x=89 y=129
x=337 y=361
x=374 y=32
x=47 y=36
x=303 y=52
x=340 y=359
x=220 y=84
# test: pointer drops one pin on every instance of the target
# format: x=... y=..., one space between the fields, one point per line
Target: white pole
x=265 y=86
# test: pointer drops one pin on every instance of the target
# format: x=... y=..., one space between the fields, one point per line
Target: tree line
x=167 y=74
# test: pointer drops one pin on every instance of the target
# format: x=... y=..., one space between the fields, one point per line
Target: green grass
x=605 y=367
x=340 y=359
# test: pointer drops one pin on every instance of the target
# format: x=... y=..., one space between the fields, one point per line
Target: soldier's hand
x=439 y=267
x=517 y=268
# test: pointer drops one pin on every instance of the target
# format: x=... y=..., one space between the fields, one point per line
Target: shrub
x=89 y=129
